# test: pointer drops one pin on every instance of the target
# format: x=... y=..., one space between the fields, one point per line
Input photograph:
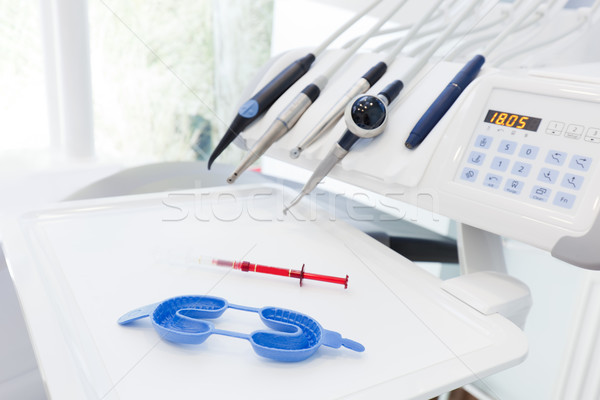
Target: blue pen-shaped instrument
x=465 y=76
x=444 y=101
x=252 y=109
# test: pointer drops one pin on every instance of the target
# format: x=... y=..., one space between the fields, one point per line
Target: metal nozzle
x=232 y=178
x=275 y=131
x=282 y=124
x=294 y=202
x=250 y=158
x=295 y=153
x=331 y=159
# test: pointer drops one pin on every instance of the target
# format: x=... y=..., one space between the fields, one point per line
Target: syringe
x=247 y=266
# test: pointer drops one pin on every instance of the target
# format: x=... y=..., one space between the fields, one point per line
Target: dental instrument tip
x=295 y=153
x=232 y=178
x=294 y=202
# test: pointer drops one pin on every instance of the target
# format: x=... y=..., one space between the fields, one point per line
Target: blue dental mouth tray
x=293 y=336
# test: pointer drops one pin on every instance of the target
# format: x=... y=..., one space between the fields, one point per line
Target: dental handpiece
x=254 y=108
x=284 y=121
x=369 y=79
x=303 y=100
x=365 y=117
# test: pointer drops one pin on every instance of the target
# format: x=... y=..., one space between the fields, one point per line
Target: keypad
x=572 y=181
x=492 y=181
x=540 y=193
x=580 y=163
x=592 y=135
x=529 y=152
x=526 y=169
x=483 y=142
x=469 y=174
x=521 y=169
x=500 y=163
x=476 y=158
x=548 y=176
x=513 y=186
x=507 y=147
x=574 y=131
x=555 y=128
x=564 y=200
x=555 y=157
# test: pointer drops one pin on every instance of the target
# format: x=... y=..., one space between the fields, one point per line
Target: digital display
x=515 y=121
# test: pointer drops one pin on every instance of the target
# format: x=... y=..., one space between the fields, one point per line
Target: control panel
x=520 y=157
x=534 y=149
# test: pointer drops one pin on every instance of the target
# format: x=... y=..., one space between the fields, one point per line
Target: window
x=167 y=75
x=22 y=103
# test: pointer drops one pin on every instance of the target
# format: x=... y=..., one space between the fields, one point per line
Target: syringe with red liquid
x=247 y=266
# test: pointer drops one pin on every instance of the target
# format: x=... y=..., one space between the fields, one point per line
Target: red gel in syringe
x=247 y=266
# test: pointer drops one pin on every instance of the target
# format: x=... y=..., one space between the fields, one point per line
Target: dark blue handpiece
x=347 y=140
x=392 y=90
x=261 y=101
x=444 y=101
x=375 y=73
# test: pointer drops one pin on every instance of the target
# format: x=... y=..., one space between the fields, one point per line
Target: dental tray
x=293 y=336
x=78 y=266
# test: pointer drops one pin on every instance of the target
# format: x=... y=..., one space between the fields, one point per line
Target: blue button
x=540 y=193
x=564 y=200
x=507 y=147
x=580 y=163
x=500 y=163
x=483 y=142
x=513 y=186
x=548 y=175
x=469 y=174
x=476 y=158
x=492 y=181
x=529 y=152
x=572 y=181
x=556 y=157
x=249 y=109
x=521 y=169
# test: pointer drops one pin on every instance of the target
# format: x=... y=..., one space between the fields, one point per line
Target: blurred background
x=165 y=80
x=163 y=76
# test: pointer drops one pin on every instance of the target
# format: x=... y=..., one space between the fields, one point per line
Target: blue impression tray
x=293 y=336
